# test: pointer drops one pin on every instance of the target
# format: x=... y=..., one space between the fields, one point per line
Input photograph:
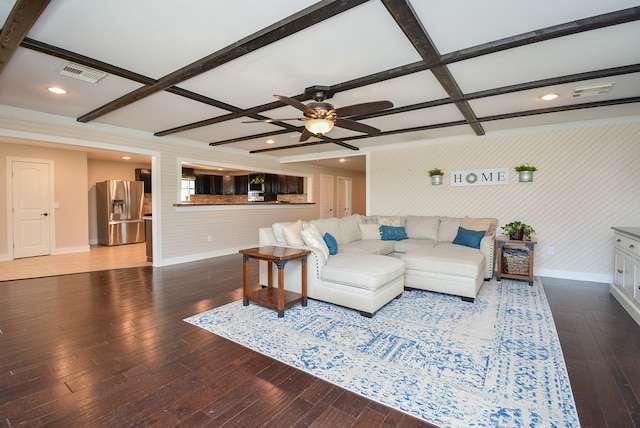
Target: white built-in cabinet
x=626 y=277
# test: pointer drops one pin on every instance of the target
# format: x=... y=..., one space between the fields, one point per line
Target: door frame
x=345 y=192
x=9 y=202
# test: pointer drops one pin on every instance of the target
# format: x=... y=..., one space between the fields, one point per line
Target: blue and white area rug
x=496 y=362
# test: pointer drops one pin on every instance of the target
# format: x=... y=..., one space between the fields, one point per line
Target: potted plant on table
x=525 y=172
x=518 y=230
x=436 y=176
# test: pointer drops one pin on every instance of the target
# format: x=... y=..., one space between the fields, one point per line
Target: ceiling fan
x=320 y=117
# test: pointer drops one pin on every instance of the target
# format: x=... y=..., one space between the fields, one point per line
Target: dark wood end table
x=267 y=296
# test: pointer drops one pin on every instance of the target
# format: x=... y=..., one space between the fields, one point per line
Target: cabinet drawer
x=627 y=244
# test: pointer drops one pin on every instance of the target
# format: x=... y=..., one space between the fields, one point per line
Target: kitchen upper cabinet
x=228 y=185
x=144 y=175
x=207 y=184
x=242 y=184
x=290 y=185
x=283 y=188
x=270 y=185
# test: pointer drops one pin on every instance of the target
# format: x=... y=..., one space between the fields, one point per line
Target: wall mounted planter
x=436 y=180
x=526 y=176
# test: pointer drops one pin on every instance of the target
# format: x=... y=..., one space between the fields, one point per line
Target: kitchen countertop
x=192 y=204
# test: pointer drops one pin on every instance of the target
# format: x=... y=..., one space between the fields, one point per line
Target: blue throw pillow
x=331 y=243
x=392 y=233
x=469 y=238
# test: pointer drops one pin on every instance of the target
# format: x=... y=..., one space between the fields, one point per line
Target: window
x=187 y=188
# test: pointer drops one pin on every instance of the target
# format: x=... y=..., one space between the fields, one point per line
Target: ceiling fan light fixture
x=318 y=126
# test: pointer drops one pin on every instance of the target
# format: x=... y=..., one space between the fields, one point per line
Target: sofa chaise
x=363 y=262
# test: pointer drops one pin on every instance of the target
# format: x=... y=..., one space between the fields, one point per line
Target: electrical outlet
x=551 y=251
x=210 y=238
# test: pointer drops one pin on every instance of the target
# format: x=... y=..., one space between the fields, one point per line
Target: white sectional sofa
x=378 y=256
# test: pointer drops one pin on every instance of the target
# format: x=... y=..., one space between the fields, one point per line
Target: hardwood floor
x=109 y=348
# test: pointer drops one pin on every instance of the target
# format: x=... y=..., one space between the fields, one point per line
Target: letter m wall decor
x=480 y=177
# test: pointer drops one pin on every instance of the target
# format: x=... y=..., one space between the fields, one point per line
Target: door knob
x=45 y=214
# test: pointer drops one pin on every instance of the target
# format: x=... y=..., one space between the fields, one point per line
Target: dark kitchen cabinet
x=207 y=184
x=228 y=185
x=295 y=185
x=144 y=175
x=283 y=187
x=270 y=185
x=242 y=184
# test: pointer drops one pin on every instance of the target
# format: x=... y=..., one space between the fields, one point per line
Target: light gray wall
x=588 y=180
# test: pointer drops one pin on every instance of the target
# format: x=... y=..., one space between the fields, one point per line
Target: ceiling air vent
x=81 y=72
x=591 y=91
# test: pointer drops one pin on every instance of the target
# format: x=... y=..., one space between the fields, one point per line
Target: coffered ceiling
x=198 y=70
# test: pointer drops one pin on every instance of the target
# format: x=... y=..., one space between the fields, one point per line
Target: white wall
x=588 y=180
x=180 y=234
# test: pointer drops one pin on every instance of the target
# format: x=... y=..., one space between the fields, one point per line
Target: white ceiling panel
x=563 y=117
x=324 y=54
x=489 y=20
x=594 y=50
x=25 y=80
x=161 y=111
x=624 y=86
x=155 y=38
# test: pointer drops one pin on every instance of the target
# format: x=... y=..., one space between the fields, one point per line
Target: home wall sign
x=480 y=177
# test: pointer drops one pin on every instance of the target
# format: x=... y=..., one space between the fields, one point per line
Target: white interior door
x=326 y=196
x=344 y=197
x=31 y=209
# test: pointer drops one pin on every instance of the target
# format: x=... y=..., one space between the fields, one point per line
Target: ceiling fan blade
x=272 y=120
x=364 y=108
x=356 y=126
x=297 y=104
x=305 y=135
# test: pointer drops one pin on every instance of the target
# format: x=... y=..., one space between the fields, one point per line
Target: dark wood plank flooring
x=110 y=348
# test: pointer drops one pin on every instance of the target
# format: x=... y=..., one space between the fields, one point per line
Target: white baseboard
x=200 y=256
x=5 y=256
x=576 y=276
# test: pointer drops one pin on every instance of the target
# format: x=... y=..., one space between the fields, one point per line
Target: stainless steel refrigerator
x=119 y=206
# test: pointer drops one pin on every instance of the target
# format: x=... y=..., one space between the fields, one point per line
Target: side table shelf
x=517 y=267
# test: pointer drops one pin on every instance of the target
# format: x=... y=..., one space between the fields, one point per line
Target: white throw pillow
x=370 y=231
x=278 y=233
x=349 y=229
x=312 y=238
x=422 y=227
x=478 y=224
x=293 y=234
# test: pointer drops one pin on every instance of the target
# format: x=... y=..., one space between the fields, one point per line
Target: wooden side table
x=503 y=243
x=267 y=296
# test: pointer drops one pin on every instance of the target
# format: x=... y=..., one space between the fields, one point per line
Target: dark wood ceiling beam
x=408 y=21
x=548 y=33
x=558 y=109
x=560 y=80
x=57 y=52
x=281 y=29
x=23 y=15
x=595 y=22
x=324 y=139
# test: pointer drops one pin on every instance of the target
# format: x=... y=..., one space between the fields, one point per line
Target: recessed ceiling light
x=342 y=160
x=56 y=90
x=270 y=141
x=220 y=169
x=549 y=97
x=126 y=157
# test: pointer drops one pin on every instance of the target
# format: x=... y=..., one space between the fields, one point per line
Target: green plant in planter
x=258 y=179
x=518 y=230
x=435 y=171
x=526 y=167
